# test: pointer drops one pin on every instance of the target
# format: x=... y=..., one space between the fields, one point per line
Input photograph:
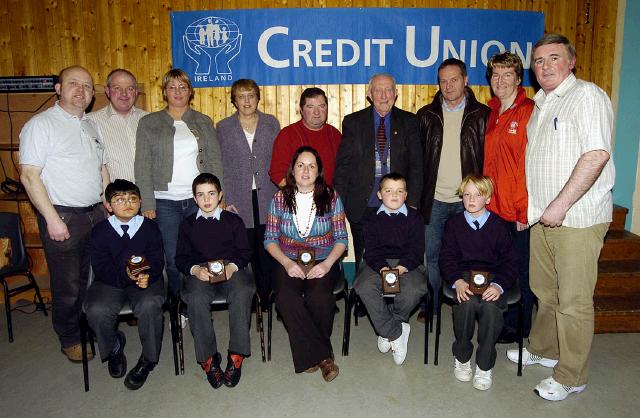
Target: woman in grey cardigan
x=246 y=139
x=173 y=146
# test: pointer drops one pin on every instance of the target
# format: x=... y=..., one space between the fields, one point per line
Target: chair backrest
x=10 y=227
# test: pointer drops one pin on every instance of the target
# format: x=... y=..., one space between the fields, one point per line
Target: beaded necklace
x=312 y=212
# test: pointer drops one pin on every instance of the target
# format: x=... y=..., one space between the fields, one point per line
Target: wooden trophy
x=306 y=260
x=217 y=269
x=390 y=282
x=137 y=264
x=478 y=281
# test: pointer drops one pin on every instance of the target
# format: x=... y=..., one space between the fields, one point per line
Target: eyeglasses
x=120 y=201
x=181 y=88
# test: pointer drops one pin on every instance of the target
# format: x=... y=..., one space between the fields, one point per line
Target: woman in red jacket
x=504 y=155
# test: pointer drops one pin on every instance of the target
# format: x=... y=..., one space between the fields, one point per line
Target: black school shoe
x=234 y=370
x=138 y=375
x=117 y=363
x=212 y=368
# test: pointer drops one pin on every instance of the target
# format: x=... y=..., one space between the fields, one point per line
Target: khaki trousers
x=563 y=275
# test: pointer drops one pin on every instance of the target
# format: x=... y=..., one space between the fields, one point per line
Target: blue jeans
x=169 y=216
x=440 y=213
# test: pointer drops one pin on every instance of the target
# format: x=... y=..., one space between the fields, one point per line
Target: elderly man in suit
x=377 y=140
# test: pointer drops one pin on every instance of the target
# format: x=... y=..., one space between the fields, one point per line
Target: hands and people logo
x=214 y=40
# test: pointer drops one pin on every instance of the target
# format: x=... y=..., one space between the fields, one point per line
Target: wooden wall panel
x=39 y=37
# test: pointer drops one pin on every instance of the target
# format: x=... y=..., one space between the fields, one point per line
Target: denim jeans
x=169 y=216
x=440 y=213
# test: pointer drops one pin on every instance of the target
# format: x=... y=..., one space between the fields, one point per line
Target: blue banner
x=345 y=46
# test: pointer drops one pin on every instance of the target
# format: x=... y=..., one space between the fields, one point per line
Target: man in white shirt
x=63 y=172
x=118 y=122
x=569 y=177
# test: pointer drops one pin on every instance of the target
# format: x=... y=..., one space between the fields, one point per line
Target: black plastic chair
x=513 y=296
x=86 y=334
x=340 y=289
x=11 y=228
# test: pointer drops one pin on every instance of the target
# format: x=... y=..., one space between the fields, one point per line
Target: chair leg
x=349 y=307
x=174 y=323
x=83 y=342
x=180 y=338
x=520 y=332
x=7 y=309
x=356 y=304
x=345 y=330
x=426 y=330
x=41 y=304
x=269 y=326
x=260 y=326
x=438 y=325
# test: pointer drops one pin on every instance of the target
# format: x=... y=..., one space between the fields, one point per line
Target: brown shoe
x=74 y=353
x=329 y=369
x=422 y=317
x=312 y=369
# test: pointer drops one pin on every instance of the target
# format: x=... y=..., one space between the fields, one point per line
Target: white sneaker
x=399 y=346
x=462 y=371
x=529 y=359
x=551 y=390
x=383 y=344
x=482 y=379
x=183 y=321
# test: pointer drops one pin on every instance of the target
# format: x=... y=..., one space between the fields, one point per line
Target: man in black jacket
x=376 y=141
x=451 y=129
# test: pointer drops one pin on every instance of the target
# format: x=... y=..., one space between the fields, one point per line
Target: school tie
x=125 y=234
x=381 y=137
x=477 y=224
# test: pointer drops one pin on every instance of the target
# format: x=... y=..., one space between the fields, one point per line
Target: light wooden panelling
x=41 y=37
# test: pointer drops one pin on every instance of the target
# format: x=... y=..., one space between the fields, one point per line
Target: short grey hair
x=393 y=80
x=124 y=71
x=556 y=38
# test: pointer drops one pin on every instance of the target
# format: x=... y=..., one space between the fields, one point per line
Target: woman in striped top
x=307 y=215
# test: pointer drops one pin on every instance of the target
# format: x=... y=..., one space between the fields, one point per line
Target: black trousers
x=489 y=317
x=261 y=261
x=198 y=295
x=521 y=242
x=68 y=263
x=104 y=303
x=307 y=308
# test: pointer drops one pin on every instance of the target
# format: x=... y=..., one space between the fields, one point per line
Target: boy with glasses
x=117 y=243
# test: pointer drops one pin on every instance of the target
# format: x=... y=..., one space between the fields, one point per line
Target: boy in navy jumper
x=393 y=238
x=215 y=234
x=113 y=241
x=477 y=240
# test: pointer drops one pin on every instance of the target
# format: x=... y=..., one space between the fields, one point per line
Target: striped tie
x=381 y=137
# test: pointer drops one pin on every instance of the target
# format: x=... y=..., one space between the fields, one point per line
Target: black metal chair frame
x=513 y=296
x=340 y=289
x=86 y=334
x=12 y=228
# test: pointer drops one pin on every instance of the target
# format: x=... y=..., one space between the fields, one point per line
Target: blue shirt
x=481 y=219
x=458 y=108
x=134 y=224
x=215 y=215
x=402 y=209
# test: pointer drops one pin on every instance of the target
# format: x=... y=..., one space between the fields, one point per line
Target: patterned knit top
x=326 y=231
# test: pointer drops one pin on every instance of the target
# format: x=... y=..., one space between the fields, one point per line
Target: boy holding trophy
x=478 y=260
x=392 y=279
x=127 y=258
x=213 y=253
